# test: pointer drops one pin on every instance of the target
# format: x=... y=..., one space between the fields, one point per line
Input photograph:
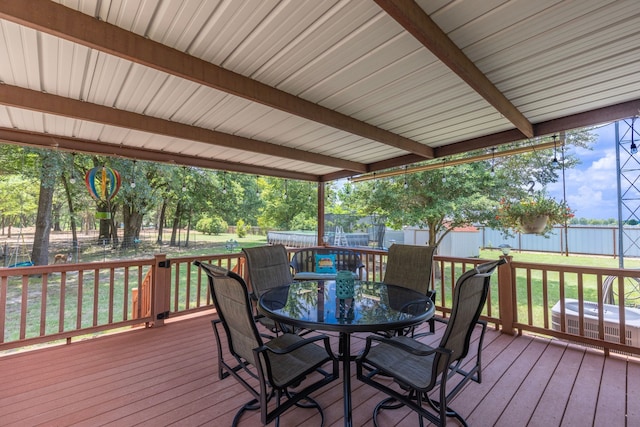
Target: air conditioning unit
x=611 y=318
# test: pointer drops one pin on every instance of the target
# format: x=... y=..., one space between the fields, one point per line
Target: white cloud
x=591 y=187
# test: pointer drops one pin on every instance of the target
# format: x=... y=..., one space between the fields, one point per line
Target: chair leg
x=252 y=405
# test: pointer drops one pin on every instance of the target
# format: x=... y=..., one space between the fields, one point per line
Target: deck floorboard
x=168 y=376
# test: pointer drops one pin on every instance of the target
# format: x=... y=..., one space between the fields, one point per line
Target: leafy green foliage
x=288 y=204
x=212 y=225
x=447 y=197
x=242 y=229
x=512 y=214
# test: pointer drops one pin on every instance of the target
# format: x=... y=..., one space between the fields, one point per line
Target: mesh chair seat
x=408 y=368
x=289 y=367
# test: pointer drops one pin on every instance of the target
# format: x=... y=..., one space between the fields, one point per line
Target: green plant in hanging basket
x=536 y=213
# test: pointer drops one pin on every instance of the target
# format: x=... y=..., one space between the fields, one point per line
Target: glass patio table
x=374 y=307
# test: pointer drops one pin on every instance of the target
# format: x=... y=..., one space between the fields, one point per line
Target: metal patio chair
x=279 y=365
x=418 y=369
x=267 y=268
x=410 y=266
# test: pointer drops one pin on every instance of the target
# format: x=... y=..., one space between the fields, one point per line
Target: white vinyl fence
x=587 y=240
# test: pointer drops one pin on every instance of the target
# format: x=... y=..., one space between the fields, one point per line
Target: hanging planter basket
x=534 y=225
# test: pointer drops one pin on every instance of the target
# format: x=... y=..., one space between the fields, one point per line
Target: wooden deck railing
x=60 y=302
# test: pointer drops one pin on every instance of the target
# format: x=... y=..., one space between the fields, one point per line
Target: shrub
x=212 y=225
x=242 y=228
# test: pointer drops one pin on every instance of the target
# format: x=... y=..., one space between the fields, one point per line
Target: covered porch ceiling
x=311 y=90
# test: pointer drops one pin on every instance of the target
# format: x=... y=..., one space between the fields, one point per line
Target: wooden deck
x=167 y=375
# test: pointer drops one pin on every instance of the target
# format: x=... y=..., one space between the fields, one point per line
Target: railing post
x=161 y=295
x=505 y=295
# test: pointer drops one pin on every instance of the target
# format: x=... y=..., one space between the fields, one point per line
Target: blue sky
x=591 y=187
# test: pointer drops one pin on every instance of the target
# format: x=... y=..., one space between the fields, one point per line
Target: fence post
x=505 y=295
x=161 y=294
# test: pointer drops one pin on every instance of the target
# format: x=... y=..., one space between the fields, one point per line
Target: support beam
x=60 y=21
x=574 y=121
x=47 y=141
x=14 y=96
x=419 y=24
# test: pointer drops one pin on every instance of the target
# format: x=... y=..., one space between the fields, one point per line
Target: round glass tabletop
x=374 y=306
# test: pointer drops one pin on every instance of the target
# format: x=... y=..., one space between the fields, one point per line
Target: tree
x=288 y=204
x=50 y=162
x=447 y=197
x=437 y=200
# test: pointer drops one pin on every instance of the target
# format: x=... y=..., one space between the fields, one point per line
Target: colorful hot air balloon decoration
x=103 y=184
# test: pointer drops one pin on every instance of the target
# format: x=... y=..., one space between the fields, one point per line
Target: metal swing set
x=20 y=253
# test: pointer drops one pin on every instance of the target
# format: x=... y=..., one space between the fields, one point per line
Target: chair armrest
x=401 y=346
x=298 y=344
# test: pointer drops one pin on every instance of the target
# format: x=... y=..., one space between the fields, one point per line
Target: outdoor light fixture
x=72 y=179
x=633 y=148
x=444 y=178
x=224 y=178
x=133 y=177
x=493 y=161
x=555 y=157
x=405 y=178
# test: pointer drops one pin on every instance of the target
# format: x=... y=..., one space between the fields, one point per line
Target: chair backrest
x=267 y=267
x=469 y=297
x=409 y=266
x=304 y=260
x=231 y=299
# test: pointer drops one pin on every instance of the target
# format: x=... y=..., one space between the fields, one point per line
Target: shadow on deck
x=167 y=375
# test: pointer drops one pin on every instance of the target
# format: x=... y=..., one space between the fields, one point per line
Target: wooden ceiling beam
x=52 y=104
x=52 y=18
x=412 y=18
x=573 y=121
x=78 y=145
x=595 y=117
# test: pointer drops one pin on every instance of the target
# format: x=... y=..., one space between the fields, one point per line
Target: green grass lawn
x=535 y=297
x=555 y=258
x=201 y=245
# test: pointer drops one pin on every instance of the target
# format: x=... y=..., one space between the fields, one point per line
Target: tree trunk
x=114 y=226
x=56 y=217
x=72 y=216
x=104 y=234
x=176 y=225
x=40 y=251
x=163 y=210
x=132 y=220
x=186 y=240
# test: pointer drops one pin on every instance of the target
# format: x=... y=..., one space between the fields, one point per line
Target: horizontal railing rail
x=590 y=305
x=57 y=302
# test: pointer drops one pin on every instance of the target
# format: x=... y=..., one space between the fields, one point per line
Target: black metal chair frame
x=303 y=260
x=425 y=368
x=267 y=358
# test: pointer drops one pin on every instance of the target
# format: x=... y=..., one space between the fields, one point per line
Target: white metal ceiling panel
x=19 y=48
x=549 y=58
x=272 y=39
x=301 y=54
x=140 y=89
